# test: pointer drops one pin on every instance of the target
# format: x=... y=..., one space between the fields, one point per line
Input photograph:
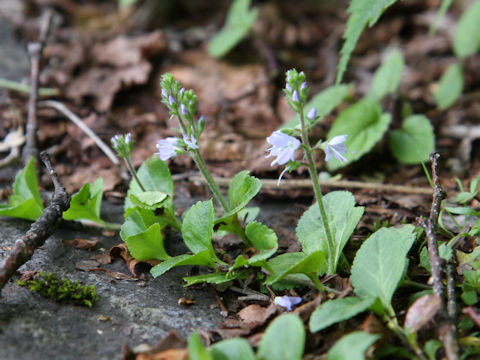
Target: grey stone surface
x=32 y=327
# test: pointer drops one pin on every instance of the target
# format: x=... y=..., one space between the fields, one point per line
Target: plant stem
x=134 y=173
x=312 y=168
x=407 y=340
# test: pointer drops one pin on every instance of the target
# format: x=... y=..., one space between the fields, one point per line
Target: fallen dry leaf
x=84 y=244
x=102 y=258
x=86 y=265
x=422 y=311
x=114 y=274
x=135 y=266
x=255 y=315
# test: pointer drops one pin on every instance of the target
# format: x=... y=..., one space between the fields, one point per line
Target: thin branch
x=77 y=121
x=447 y=329
x=40 y=230
x=24 y=88
x=307 y=184
x=35 y=51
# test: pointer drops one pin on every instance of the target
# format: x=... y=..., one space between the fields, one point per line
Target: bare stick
x=307 y=184
x=35 y=51
x=40 y=230
x=447 y=329
x=77 y=121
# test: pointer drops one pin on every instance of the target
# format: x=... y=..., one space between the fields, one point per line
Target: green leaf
x=431 y=348
x=295 y=263
x=343 y=216
x=325 y=101
x=352 y=346
x=242 y=189
x=197 y=227
x=213 y=278
x=414 y=142
x=201 y=258
x=154 y=176
x=150 y=200
x=362 y=12
x=380 y=263
x=232 y=349
x=263 y=239
x=86 y=203
x=462 y=210
x=449 y=88
x=467 y=36
x=284 y=339
x=25 y=202
x=142 y=232
x=196 y=350
x=238 y=23
x=364 y=124
x=388 y=75
x=337 y=310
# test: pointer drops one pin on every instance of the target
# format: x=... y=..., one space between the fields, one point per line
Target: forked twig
x=447 y=329
x=40 y=230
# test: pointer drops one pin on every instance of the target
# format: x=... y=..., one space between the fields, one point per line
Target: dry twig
x=447 y=329
x=40 y=230
x=35 y=51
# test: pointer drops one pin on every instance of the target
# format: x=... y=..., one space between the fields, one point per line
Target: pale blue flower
x=303 y=86
x=171 y=100
x=191 y=142
x=287 y=302
x=288 y=87
x=184 y=109
x=283 y=146
x=312 y=114
x=336 y=147
x=167 y=148
x=164 y=93
x=295 y=96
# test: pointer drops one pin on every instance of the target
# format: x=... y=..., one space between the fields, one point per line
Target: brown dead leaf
x=103 y=83
x=171 y=354
x=255 y=315
x=135 y=266
x=115 y=275
x=86 y=265
x=84 y=244
x=102 y=258
x=422 y=311
x=124 y=51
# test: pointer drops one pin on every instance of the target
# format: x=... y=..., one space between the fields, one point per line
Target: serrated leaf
x=325 y=101
x=388 y=75
x=449 y=88
x=201 y=258
x=362 y=12
x=232 y=349
x=214 y=278
x=197 y=227
x=238 y=23
x=284 y=339
x=86 y=203
x=380 y=263
x=196 y=350
x=467 y=36
x=154 y=176
x=414 y=142
x=150 y=200
x=343 y=216
x=334 y=311
x=295 y=263
x=364 y=124
x=242 y=189
x=25 y=202
x=352 y=346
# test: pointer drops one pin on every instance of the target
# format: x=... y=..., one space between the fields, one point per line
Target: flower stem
x=134 y=173
x=209 y=178
x=312 y=168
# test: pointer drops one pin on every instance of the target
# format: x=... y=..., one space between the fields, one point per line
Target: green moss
x=62 y=290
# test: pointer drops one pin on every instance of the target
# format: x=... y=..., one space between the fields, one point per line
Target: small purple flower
x=164 y=93
x=283 y=146
x=288 y=87
x=116 y=140
x=303 y=86
x=171 y=100
x=167 y=148
x=336 y=147
x=182 y=90
x=128 y=138
x=184 y=109
x=295 y=96
x=191 y=142
x=312 y=114
x=287 y=302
